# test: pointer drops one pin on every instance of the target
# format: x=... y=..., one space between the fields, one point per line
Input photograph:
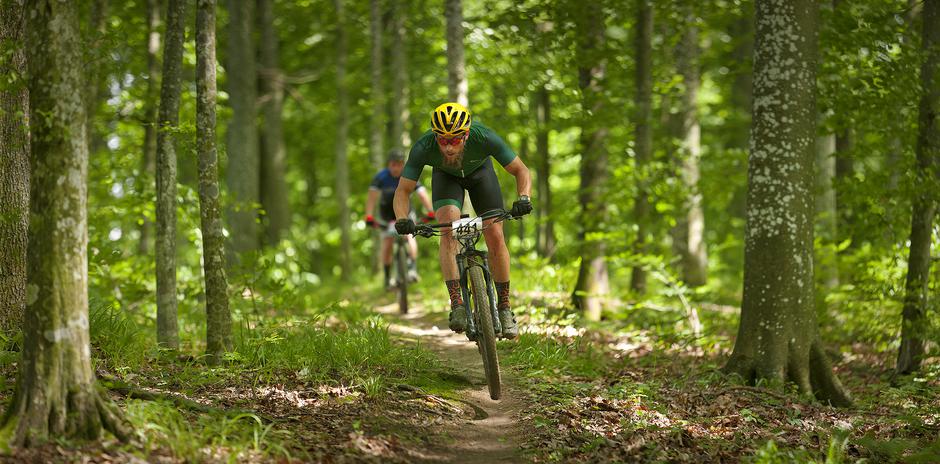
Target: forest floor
x=369 y=385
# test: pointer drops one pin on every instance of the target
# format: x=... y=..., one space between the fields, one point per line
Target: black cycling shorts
x=485 y=194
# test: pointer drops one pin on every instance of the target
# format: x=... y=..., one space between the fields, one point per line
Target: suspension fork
x=464 y=262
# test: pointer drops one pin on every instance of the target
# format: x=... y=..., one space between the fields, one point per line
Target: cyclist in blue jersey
x=381 y=193
x=459 y=152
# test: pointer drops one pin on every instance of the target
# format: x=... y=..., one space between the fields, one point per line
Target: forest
x=714 y=226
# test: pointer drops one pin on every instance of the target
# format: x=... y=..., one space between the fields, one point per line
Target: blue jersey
x=386 y=184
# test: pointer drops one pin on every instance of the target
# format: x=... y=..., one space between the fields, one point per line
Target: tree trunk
x=915 y=320
x=691 y=223
x=149 y=160
x=274 y=198
x=243 y=170
x=400 y=92
x=218 y=318
x=644 y=135
x=545 y=234
x=98 y=59
x=456 y=70
x=167 y=330
x=56 y=396
x=778 y=338
x=826 y=210
x=593 y=285
x=376 y=123
x=342 y=135
x=14 y=168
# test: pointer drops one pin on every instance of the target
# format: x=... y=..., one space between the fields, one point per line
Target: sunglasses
x=452 y=140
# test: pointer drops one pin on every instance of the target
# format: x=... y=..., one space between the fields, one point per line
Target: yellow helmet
x=450 y=120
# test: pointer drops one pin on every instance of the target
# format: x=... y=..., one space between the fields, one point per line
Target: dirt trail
x=494 y=431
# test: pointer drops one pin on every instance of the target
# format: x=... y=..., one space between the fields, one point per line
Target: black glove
x=405 y=226
x=521 y=207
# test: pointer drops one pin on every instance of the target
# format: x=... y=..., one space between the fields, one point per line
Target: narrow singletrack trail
x=493 y=432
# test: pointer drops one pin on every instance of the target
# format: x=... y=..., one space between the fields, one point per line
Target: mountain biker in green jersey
x=459 y=153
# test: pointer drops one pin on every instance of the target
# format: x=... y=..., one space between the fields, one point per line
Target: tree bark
x=242 y=171
x=167 y=329
x=778 y=338
x=456 y=70
x=14 y=168
x=95 y=48
x=691 y=223
x=342 y=135
x=593 y=283
x=644 y=135
x=400 y=81
x=545 y=233
x=915 y=320
x=149 y=160
x=56 y=394
x=218 y=317
x=274 y=197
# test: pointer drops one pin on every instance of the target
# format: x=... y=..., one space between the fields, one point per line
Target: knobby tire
x=487 y=339
x=402 y=266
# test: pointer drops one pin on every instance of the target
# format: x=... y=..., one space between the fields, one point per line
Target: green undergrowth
x=208 y=437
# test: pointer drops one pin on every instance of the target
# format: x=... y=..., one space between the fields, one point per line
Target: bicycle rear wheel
x=402 y=265
x=487 y=339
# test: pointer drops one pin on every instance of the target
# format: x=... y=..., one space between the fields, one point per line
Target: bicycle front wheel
x=487 y=339
x=402 y=266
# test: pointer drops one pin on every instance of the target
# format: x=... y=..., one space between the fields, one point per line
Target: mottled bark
x=915 y=322
x=242 y=170
x=168 y=121
x=643 y=145
x=399 y=71
x=342 y=136
x=14 y=168
x=151 y=103
x=56 y=394
x=545 y=234
x=593 y=284
x=826 y=212
x=456 y=69
x=690 y=224
x=218 y=317
x=273 y=193
x=778 y=338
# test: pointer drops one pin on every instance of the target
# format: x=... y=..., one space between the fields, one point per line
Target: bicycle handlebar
x=429 y=230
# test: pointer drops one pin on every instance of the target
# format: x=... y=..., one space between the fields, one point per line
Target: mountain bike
x=476 y=285
x=400 y=260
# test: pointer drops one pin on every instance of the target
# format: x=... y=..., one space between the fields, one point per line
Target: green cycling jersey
x=481 y=143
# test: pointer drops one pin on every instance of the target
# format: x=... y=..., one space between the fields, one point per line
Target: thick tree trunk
x=167 y=329
x=218 y=318
x=149 y=159
x=14 y=168
x=399 y=64
x=274 y=198
x=915 y=322
x=342 y=135
x=593 y=284
x=826 y=223
x=643 y=146
x=691 y=223
x=778 y=338
x=243 y=168
x=56 y=396
x=545 y=234
x=456 y=70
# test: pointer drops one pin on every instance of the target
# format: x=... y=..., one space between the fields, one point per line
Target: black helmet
x=395 y=155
